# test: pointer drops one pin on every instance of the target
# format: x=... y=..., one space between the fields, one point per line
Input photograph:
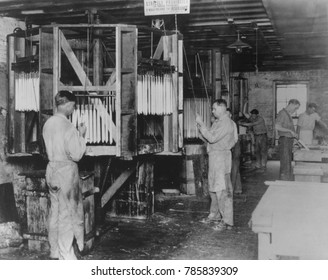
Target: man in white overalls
x=306 y=123
x=65 y=146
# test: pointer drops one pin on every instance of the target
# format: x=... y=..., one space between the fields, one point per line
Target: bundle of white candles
x=27 y=92
x=155 y=94
x=97 y=116
x=191 y=106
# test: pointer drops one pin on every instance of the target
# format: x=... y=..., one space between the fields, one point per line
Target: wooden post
x=217 y=73
x=264 y=246
x=11 y=94
x=97 y=81
x=56 y=64
x=22 y=119
x=180 y=90
x=118 y=88
x=167 y=49
x=175 y=76
x=97 y=59
x=226 y=71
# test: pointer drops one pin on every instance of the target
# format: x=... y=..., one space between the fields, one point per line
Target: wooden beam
x=112 y=80
x=118 y=57
x=294 y=184
x=74 y=61
x=167 y=49
x=87 y=88
x=81 y=74
x=217 y=73
x=159 y=50
x=11 y=94
x=175 y=80
x=117 y=185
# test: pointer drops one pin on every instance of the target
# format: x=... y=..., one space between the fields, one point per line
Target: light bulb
x=239 y=50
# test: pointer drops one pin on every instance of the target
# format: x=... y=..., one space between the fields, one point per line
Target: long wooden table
x=291 y=221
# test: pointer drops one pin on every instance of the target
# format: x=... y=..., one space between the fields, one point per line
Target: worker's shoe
x=209 y=220
x=222 y=226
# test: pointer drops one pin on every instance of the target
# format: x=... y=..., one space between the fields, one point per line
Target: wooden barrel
x=194 y=170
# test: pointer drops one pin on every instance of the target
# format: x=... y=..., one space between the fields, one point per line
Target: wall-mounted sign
x=166 y=7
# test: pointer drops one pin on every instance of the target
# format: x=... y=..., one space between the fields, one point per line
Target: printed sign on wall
x=166 y=7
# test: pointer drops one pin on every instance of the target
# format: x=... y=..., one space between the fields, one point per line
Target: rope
x=201 y=71
x=189 y=75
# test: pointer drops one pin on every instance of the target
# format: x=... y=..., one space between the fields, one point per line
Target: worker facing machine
x=220 y=138
x=306 y=123
x=260 y=136
x=65 y=146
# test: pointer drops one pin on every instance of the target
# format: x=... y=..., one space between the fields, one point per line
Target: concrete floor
x=174 y=231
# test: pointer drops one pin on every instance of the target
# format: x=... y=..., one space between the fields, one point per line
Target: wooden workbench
x=311 y=165
x=291 y=221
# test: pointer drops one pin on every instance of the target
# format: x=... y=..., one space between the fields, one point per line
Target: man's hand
x=294 y=134
x=82 y=129
x=199 y=119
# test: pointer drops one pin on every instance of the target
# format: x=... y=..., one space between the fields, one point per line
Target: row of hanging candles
x=97 y=116
x=155 y=94
x=27 y=91
x=191 y=106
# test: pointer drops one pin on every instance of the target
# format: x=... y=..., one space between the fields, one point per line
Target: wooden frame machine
x=103 y=65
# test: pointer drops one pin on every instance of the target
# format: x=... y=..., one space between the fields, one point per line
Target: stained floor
x=174 y=230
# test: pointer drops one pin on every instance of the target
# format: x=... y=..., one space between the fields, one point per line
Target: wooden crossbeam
x=111 y=80
x=117 y=185
x=82 y=75
x=159 y=50
x=74 y=61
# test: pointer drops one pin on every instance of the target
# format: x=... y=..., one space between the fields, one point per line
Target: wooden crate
x=38 y=205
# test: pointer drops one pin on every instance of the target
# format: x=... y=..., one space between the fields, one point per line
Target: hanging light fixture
x=239 y=45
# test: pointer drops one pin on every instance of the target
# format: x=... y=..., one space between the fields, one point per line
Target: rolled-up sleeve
x=214 y=134
x=75 y=145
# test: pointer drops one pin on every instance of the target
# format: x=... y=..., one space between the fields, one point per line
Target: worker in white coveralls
x=65 y=146
x=306 y=123
x=221 y=137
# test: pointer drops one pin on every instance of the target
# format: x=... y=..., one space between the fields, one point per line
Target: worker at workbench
x=221 y=137
x=260 y=134
x=65 y=146
x=286 y=131
x=306 y=123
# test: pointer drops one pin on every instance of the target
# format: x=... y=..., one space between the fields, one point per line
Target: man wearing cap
x=65 y=146
x=220 y=138
x=260 y=134
x=306 y=123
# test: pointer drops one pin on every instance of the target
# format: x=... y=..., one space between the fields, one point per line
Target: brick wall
x=261 y=92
